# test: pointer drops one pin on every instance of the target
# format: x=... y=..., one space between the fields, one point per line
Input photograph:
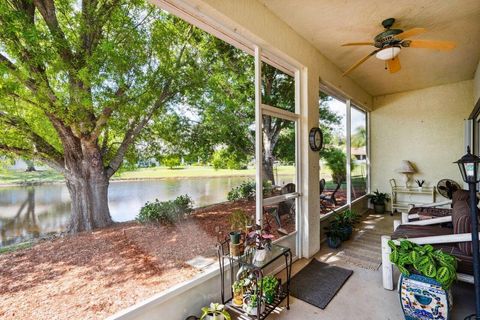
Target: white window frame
x=262 y=109
x=349 y=104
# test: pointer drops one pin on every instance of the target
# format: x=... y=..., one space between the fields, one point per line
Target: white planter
x=252 y=310
x=260 y=254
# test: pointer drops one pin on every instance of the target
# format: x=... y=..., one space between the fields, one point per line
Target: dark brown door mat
x=318 y=283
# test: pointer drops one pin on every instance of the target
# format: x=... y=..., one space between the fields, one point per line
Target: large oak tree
x=79 y=82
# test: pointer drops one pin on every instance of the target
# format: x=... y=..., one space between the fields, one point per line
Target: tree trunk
x=30 y=166
x=88 y=187
x=268 y=160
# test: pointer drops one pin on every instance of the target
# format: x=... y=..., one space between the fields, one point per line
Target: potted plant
x=270 y=287
x=420 y=184
x=251 y=303
x=334 y=235
x=215 y=311
x=426 y=277
x=346 y=220
x=238 y=287
x=261 y=240
x=378 y=199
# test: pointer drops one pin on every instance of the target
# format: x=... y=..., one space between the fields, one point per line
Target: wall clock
x=316 y=139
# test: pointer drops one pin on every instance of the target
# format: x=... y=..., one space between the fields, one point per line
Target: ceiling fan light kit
x=388 y=53
x=389 y=43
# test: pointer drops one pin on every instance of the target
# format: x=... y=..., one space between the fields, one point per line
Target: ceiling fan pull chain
x=386 y=65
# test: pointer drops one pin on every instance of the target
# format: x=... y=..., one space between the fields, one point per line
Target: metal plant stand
x=230 y=265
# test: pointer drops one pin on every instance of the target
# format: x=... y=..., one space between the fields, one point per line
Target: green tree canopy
x=81 y=80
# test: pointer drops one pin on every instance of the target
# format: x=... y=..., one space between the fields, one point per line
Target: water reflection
x=27 y=212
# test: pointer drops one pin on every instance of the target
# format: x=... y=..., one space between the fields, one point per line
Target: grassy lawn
x=21 y=177
x=35 y=177
x=47 y=176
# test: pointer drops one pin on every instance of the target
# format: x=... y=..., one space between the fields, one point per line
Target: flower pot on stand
x=252 y=308
x=260 y=254
x=424 y=298
x=235 y=237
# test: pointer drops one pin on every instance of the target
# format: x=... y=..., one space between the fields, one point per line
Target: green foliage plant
x=246 y=190
x=215 y=310
x=425 y=260
x=166 y=212
x=239 y=220
x=378 y=197
x=269 y=287
x=334 y=230
x=347 y=218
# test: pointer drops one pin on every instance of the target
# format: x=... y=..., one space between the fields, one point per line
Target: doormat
x=318 y=283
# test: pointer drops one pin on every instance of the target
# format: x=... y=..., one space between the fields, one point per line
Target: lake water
x=28 y=212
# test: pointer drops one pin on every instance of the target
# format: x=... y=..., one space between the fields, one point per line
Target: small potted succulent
x=270 y=288
x=215 y=311
x=334 y=235
x=378 y=199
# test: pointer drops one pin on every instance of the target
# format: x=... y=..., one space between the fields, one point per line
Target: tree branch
x=48 y=12
x=41 y=145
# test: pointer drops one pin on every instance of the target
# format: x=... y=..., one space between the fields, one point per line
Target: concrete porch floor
x=362 y=297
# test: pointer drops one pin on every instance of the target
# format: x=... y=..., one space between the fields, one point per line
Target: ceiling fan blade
x=394 y=65
x=358 y=44
x=410 y=33
x=432 y=44
x=359 y=62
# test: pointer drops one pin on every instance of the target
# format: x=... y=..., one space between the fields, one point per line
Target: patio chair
x=331 y=198
x=286 y=207
x=288 y=188
x=456 y=241
x=322 y=188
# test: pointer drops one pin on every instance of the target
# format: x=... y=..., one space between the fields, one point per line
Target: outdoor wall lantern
x=468 y=165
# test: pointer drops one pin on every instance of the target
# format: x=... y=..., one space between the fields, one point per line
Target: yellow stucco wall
x=476 y=84
x=424 y=126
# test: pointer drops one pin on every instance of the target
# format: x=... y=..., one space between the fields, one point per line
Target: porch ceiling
x=327 y=24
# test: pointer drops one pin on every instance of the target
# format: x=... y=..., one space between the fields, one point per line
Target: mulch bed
x=94 y=275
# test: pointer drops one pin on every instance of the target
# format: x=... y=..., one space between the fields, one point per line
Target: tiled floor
x=363 y=297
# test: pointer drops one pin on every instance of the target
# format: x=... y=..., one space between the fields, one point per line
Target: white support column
x=309 y=162
x=387 y=267
x=349 y=152
x=258 y=137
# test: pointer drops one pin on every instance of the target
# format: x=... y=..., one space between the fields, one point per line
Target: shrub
x=336 y=160
x=166 y=212
x=246 y=190
x=226 y=159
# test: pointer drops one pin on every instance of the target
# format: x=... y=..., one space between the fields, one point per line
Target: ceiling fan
x=391 y=41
